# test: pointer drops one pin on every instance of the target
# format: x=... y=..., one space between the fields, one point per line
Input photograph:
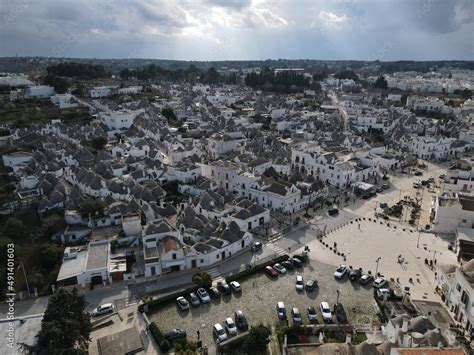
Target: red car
x=271 y=271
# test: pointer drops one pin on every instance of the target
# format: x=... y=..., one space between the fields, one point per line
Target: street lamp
x=377 y=268
x=26 y=279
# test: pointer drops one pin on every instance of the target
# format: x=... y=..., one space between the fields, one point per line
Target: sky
x=217 y=30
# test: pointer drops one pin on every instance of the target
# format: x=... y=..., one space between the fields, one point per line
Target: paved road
x=342 y=111
x=94 y=298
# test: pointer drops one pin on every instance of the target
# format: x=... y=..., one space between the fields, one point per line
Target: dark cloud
x=239 y=29
x=232 y=4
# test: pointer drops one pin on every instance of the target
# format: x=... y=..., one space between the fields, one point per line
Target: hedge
x=160 y=340
x=248 y=272
x=162 y=301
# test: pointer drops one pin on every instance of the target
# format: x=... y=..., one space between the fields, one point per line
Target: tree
x=347 y=74
x=66 y=326
x=60 y=84
x=257 y=340
x=381 y=83
x=211 y=76
x=202 y=279
x=92 y=208
x=15 y=230
x=99 y=142
x=466 y=94
x=49 y=256
x=168 y=113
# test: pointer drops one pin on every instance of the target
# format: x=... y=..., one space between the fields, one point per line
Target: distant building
x=39 y=91
x=64 y=101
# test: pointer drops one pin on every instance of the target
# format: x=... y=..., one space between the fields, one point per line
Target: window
x=458 y=287
x=174 y=256
x=464 y=221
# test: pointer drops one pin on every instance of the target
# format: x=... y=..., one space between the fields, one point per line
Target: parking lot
x=260 y=295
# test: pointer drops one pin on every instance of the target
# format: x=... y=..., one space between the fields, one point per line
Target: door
x=96 y=280
x=223 y=255
x=193 y=264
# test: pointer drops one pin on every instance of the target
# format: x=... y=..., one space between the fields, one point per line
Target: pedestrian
x=435 y=261
x=198 y=334
x=358 y=226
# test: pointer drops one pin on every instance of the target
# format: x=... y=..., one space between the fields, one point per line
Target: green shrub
x=157 y=335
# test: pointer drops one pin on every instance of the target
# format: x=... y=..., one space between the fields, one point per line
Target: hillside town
x=184 y=207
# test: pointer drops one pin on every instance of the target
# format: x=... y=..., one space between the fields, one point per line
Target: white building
x=452 y=210
x=39 y=91
x=428 y=104
x=220 y=144
x=101 y=91
x=431 y=147
x=220 y=99
x=130 y=90
x=460 y=177
x=132 y=225
x=165 y=252
x=117 y=120
x=90 y=265
x=328 y=168
x=457 y=286
x=201 y=89
x=64 y=101
x=17 y=160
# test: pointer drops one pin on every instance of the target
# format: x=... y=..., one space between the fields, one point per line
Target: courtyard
x=366 y=240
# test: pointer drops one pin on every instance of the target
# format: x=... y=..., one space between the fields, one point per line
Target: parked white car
x=235 y=286
x=383 y=293
x=219 y=332
x=203 y=295
x=340 y=272
x=379 y=282
x=103 y=309
x=325 y=312
x=230 y=326
x=299 y=283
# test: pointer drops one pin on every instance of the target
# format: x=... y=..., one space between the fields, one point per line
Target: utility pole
x=26 y=279
x=377 y=268
x=337 y=298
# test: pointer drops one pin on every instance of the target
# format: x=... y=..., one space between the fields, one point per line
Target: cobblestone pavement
x=259 y=297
